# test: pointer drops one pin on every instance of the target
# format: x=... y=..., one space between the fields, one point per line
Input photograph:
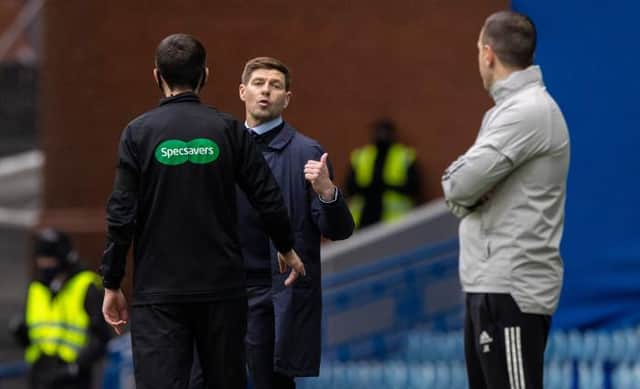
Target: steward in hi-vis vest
x=383 y=182
x=62 y=329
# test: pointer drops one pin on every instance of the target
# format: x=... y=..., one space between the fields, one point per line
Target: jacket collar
x=181 y=98
x=283 y=138
x=516 y=81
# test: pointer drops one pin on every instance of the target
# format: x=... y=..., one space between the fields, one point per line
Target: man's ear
x=158 y=78
x=206 y=75
x=489 y=56
x=241 y=91
x=287 y=98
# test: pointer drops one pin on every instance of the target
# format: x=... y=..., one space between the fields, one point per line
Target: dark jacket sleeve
x=20 y=331
x=333 y=218
x=121 y=213
x=254 y=177
x=99 y=333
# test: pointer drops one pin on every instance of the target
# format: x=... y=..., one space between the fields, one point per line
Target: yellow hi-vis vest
x=394 y=172
x=58 y=325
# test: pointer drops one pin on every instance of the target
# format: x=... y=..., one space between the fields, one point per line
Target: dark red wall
x=352 y=62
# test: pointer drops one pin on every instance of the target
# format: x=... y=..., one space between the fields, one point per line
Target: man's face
x=264 y=95
x=46 y=262
x=485 y=58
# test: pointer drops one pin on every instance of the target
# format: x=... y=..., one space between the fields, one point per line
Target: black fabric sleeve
x=122 y=209
x=333 y=219
x=20 y=331
x=98 y=334
x=254 y=177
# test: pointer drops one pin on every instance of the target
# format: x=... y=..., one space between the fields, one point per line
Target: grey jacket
x=509 y=189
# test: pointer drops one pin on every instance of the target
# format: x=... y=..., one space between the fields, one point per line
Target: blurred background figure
x=383 y=182
x=62 y=328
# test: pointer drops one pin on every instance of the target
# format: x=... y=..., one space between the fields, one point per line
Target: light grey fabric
x=509 y=189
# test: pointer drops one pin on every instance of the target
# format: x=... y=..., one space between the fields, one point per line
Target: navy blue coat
x=298 y=309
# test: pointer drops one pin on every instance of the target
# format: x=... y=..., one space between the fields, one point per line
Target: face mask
x=383 y=143
x=47 y=274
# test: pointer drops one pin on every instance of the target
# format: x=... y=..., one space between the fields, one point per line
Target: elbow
x=341 y=231
x=456 y=193
x=341 y=235
x=456 y=197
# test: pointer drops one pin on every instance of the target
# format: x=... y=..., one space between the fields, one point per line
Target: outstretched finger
x=293 y=276
x=119 y=328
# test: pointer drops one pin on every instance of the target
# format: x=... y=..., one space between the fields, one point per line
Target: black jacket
x=174 y=196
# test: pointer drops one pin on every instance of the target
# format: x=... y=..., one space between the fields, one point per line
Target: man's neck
x=262 y=126
x=252 y=122
x=503 y=72
x=176 y=91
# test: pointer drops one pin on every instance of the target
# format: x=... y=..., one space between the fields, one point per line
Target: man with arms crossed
x=174 y=197
x=509 y=191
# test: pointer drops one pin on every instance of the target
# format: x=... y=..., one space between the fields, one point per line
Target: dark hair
x=266 y=63
x=512 y=36
x=181 y=61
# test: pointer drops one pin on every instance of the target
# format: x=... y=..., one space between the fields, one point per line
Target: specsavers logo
x=176 y=152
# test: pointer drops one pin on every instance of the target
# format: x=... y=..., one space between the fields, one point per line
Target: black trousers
x=163 y=338
x=260 y=341
x=52 y=373
x=504 y=347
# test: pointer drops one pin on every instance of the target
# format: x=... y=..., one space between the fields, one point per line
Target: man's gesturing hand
x=317 y=173
x=291 y=259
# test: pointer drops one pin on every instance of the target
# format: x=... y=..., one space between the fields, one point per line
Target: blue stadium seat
x=558 y=375
x=591 y=375
x=396 y=375
x=422 y=376
x=458 y=376
x=575 y=342
x=557 y=347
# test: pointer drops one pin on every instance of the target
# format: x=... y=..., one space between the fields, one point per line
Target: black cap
x=50 y=242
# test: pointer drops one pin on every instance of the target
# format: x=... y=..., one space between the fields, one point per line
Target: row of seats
x=402 y=375
x=426 y=346
x=362 y=375
x=436 y=360
x=589 y=346
x=595 y=346
x=626 y=376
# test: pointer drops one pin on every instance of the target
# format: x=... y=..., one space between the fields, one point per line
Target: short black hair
x=512 y=36
x=181 y=61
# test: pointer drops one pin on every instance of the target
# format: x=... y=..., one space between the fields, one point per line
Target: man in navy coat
x=316 y=207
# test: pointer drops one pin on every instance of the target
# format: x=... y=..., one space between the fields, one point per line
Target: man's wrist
x=329 y=195
x=110 y=284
